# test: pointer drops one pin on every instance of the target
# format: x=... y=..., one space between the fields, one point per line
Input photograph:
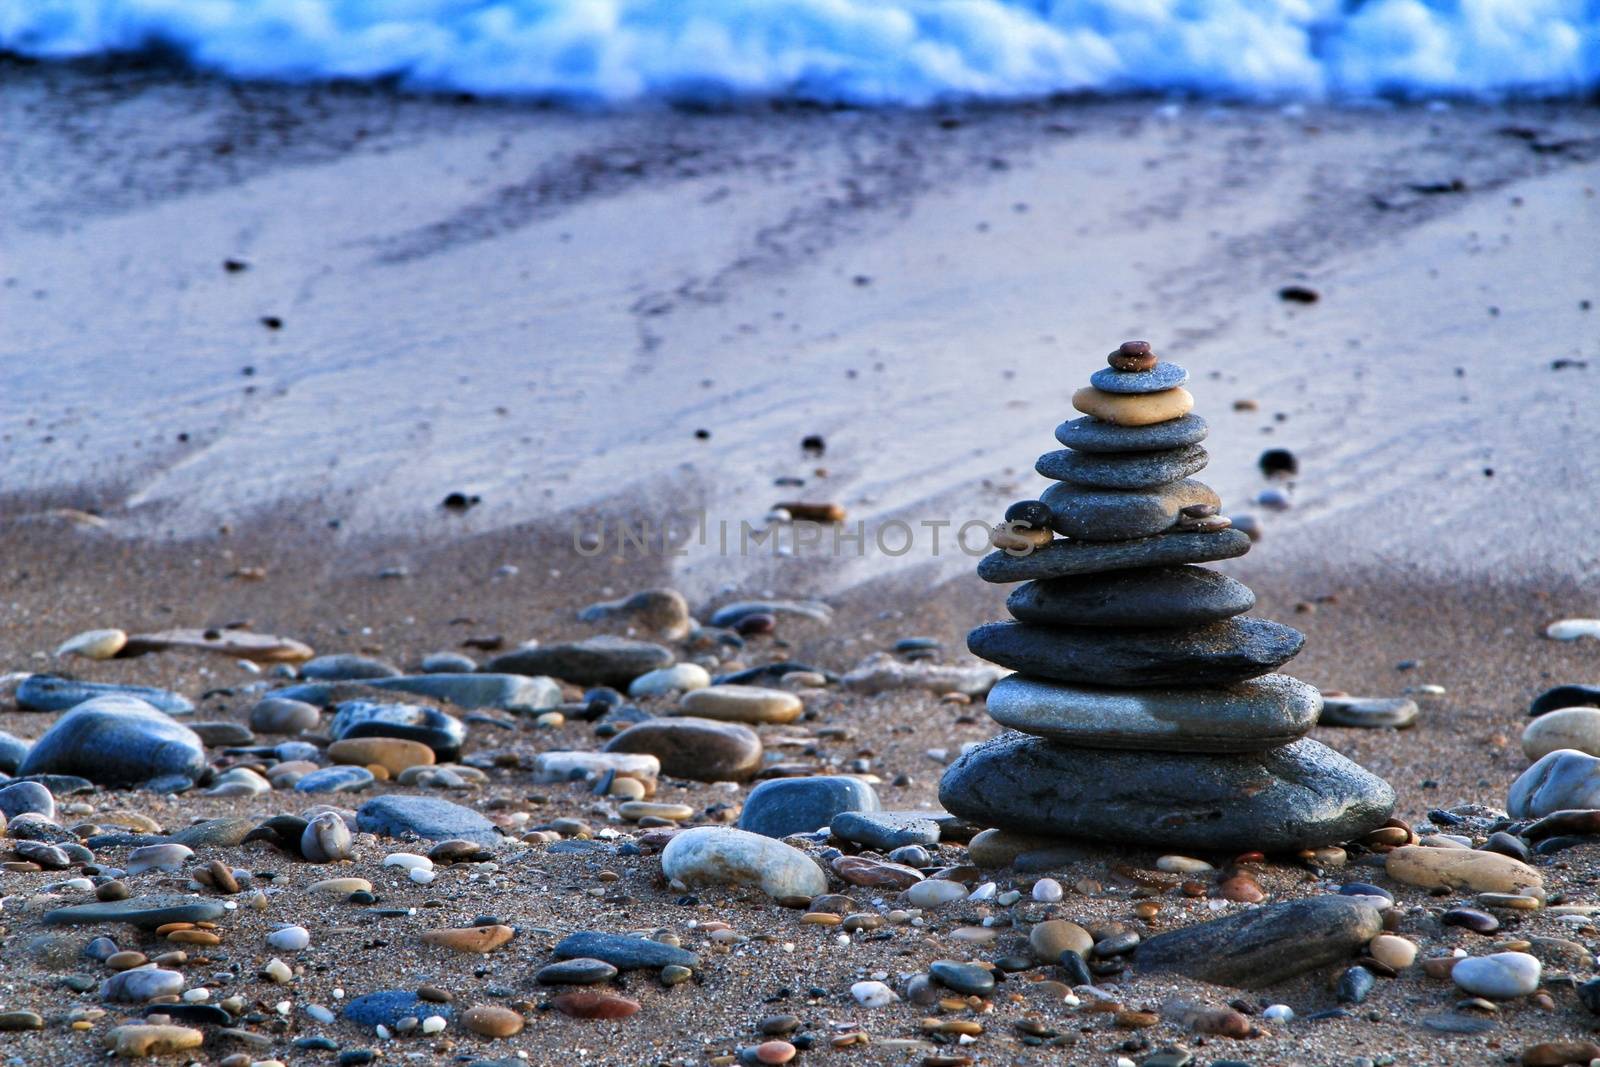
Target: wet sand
x=433 y=261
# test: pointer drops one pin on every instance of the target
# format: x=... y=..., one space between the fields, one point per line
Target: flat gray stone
x=335 y=780
x=1129 y=470
x=46 y=692
x=1148 y=597
x=387 y=1007
x=347 y=667
x=430 y=818
x=1369 y=712
x=1249 y=716
x=1262 y=946
x=222 y=733
x=886 y=830
x=1090 y=434
x=623 y=952
x=1061 y=558
x=1303 y=795
x=613 y=661
x=1157 y=379
x=147 y=912
x=508 y=692
x=116 y=740
x=1122 y=514
x=1218 y=653
x=784 y=806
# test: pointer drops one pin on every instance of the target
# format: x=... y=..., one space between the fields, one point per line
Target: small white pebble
x=409 y=860
x=986 y=891
x=338 y=994
x=1278 y=1013
x=873 y=994
x=433 y=1024
x=196 y=995
x=290 y=938
x=421 y=876
x=382 y=1031
x=319 y=1013
x=282 y=1007
x=1047 y=890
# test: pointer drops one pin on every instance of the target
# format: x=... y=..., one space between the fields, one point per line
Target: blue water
x=870 y=52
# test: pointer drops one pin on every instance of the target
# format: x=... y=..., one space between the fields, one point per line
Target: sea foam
x=863 y=52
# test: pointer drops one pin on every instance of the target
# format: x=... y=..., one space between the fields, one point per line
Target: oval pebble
x=1500 y=976
x=290 y=938
x=873 y=994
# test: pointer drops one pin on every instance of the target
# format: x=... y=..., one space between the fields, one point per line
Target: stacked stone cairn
x=1144 y=710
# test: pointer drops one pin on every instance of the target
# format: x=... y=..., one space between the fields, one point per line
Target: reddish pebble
x=774 y=1052
x=1251 y=857
x=591 y=1005
x=758 y=623
x=1242 y=889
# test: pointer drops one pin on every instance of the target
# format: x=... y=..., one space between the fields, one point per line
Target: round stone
x=1095 y=435
x=1264 y=713
x=699 y=749
x=935 y=892
x=1218 y=653
x=588 y=1004
x=1562 y=780
x=118 y=741
x=741 y=703
x=1396 y=953
x=1129 y=470
x=965 y=978
x=872 y=994
x=1146 y=597
x=447 y=663
x=491 y=1020
x=1160 y=377
x=1302 y=795
x=1048 y=940
x=93 y=644
x=24 y=798
x=140 y=985
x=784 y=806
x=1122 y=514
x=1572 y=728
x=1141 y=409
x=1030 y=514
x=1062 y=557
x=774 y=1052
x=290 y=938
x=1500 y=976
x=712 y=855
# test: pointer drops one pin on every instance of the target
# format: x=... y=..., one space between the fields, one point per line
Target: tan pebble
x=974 y=935
x=1433 y=868
x=126 y=959
x=1391 y=951
x=141 y=1041
x=969 y=1027
x=741 y=703
x=774 y=1052
x=393 y=754
x=1147 y=909
x=490 y=1020
x=627 y=788
x=470 y=938
x=1049 y=939
x=641 y=809
x=1133 y=409
x=221 y=877
x=194 y=937
x=340 y=886
x=166 y=928
x=821 y=918
x=1440 y=966
x=1135 y=1020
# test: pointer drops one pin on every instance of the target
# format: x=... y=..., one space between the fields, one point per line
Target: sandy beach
x=540 y=309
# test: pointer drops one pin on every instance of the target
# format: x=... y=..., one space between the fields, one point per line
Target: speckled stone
x=1093 y=435
x=430 y=818
x=346 y=667
x=1157 y=379
x=1248 y=716
x=1300 y=796
x=1122 y=514
x=1261 y=946
x=1369 y=713
x=21 y=798
x=1063 y=557
x=388 y=1006
x=624 y=952
x=1148 y=597
x=1218 y=653
x=1128 y=470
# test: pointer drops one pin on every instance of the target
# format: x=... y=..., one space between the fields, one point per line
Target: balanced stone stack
x=1143 y=710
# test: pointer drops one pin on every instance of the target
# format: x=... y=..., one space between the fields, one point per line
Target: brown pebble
x=112 y=890
x=1132 y=357
x=807 y=511
x=774 y=1052
x=194 y=937
x=139 y=1041
x=222 y=879
x=1241 y=888
x=434 y=995
x=587 y=1004
x=1440 y=966
x=1129 y=1019
x=491 y=1020
x=470 y=938
x=126 y=960
x=1559 y=1053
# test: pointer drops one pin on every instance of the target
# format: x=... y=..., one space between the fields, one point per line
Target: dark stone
x=13 y=750
x=604 y=660
x=430 y=818
x=1089 y=434
x=1130 y=470
x=388 y=1006
x=1354 y=985
x=1479 y=922
x=1589 y=995
x=1276 y=461
x=1300 y=796
x=704 y=750
x=443 y=733
x=1122 y=514
x=1247 y=716
x=580 y=971
x=147 y=912
x=1215 y=654
x=20 y=798
x=623 y=952
x=1157 y=379
x=345 y=667
x=1262 y=946
x=1031 y=514
x=1565 y=696
x=47 y=692
x=886 y=830
x=1146 y=597
x=1369 y=712
x=783 y=806
x=192 y=1014
x=1511 y=845
x=220 y=734
x=767 y=673
x=1077 y=970
x=1061 y=558
x=965 y=978
x=117 y=741
x=1575 y=821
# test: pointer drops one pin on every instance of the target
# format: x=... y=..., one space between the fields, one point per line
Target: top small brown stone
x=1133 y=356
